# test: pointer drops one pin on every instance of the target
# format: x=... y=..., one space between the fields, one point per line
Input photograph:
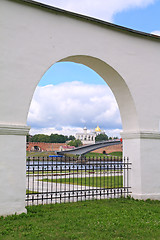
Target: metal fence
x=64 y=179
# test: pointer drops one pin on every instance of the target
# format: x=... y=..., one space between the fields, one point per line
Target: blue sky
x=63 y=81
x=69 y=72
x=145 y=19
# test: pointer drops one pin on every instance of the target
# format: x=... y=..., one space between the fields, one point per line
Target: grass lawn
x=99 y=155
x=95 y=155
x=108 y=182
x=90 y=220
x=92 y=154
x=116 y=154
x=39 y=154
x=29 y=191
x=87 y=156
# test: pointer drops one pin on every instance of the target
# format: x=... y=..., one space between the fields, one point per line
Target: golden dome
x=97 y=129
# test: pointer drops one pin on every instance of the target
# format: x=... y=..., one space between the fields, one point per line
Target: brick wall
x=44 y=146
x=109 y=149
x=56 y=147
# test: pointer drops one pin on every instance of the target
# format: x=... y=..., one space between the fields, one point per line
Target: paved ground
x=50 y=192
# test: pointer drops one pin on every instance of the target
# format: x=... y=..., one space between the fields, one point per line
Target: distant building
x=89 y=137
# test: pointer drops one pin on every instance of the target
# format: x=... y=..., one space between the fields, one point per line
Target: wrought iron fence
x=65 y=179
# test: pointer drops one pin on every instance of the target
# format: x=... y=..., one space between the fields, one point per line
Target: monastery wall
x=109 y=149
x=48 y=147
x=56 y=147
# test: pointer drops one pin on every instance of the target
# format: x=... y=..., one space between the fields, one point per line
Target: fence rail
x=65 y=179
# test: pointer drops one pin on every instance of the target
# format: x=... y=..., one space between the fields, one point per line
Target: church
x=88 y=137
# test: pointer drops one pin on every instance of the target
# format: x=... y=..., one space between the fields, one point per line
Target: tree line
x=53 y=138
x=59 y=138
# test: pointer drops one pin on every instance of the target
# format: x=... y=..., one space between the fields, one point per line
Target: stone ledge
x=14 y=130
x=141 y=135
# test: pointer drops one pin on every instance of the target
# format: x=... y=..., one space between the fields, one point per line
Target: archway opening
x=89 y=101
x=36 y=149
x=69 y=111
x=77 y=107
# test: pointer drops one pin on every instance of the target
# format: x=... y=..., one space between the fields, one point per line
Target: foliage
x=53 y=138
x=110 y=138
x=56 y=138
x=91 y=220
x=101 y=137
x=40 y=138
x=75 y=143
x=71 y=137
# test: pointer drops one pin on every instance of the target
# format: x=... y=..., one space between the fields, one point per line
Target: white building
x=89 y=137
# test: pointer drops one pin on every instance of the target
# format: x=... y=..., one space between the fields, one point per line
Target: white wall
x=12 y=169
x=33 y=38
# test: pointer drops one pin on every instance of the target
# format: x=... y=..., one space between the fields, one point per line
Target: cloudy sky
x=82 y=97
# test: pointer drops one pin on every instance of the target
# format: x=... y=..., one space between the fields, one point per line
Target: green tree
x=56 y=138
x=53 y=138
x=40 y=138
x=101 y=137
x=71 y=137
x=75 y=143
x=28 y=138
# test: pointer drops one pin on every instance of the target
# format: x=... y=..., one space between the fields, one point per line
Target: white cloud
x=73 y=105
x=103 y=9
x=156 y=32
x=72 y=131
x=64 y=130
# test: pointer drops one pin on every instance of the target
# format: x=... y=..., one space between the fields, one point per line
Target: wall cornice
x=141 y=135
x=14 y=130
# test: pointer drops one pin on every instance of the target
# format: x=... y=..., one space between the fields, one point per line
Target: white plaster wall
x=145 y=169
x=32 y=39
x=12 y=174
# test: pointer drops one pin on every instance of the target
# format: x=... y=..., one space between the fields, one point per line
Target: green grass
x=87 y=156
x=116 y=154
x=39 y=154
x=29 y=191
x=108 y=182
x=91 y=220
x=92 y=154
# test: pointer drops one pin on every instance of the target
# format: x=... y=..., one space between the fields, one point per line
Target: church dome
x=97 y=129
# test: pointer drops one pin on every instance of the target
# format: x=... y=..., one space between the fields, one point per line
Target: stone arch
x=116 y=83
x=126 y=59
x=36 y=148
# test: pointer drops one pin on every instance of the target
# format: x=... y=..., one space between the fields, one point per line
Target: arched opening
x=117 y=85
x=36 y=149
x=123 y=97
